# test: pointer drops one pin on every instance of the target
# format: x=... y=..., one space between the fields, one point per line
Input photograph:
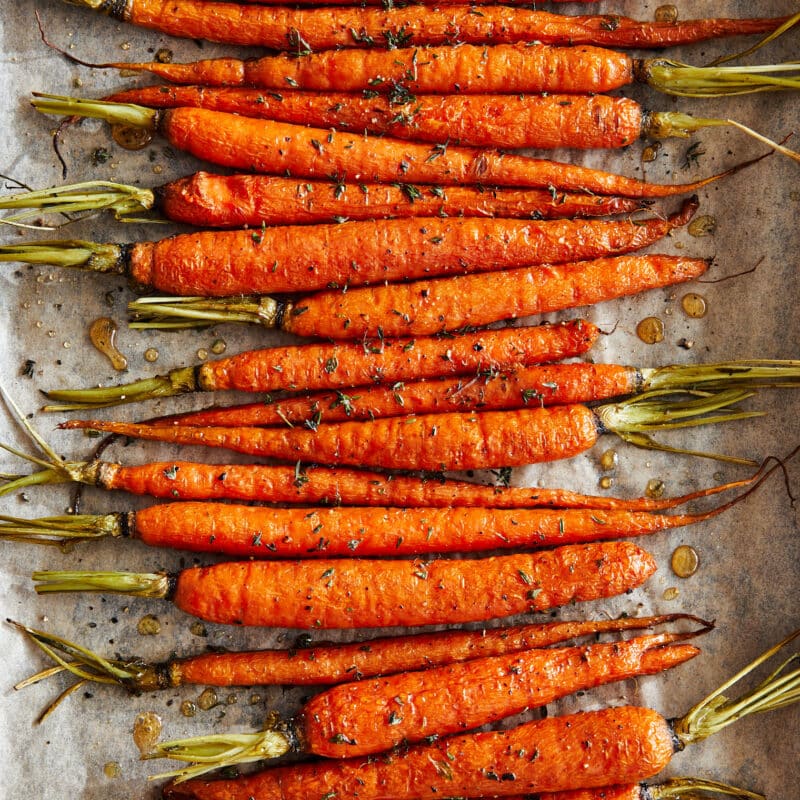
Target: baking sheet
x=748 y=578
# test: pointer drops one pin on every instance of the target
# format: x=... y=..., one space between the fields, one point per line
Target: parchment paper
x=748 y=579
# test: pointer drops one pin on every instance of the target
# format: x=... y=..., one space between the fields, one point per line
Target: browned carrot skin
x=470 y=440
x=594 y=749
x=548 y=384
x=280 y=147
x=233 y=201
x=433 y=306
x=411 y=706
x=364 y=593
x=469 y=69
x=333 y=664
x=221 y=263
x=281 y=28
x=505 y=121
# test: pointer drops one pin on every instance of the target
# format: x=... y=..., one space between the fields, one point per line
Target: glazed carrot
x=281 y=28
x=332 y=664
x=230 y=201
x=616 y=746
x=363 y=593
x=270 y=260
x=277 y=147
x=425 y=307
x=337 y=366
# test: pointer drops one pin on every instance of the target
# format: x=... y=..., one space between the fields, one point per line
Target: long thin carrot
x=235 y=201
x=588 y=750
x=281 y=28
x=344 y=365
x=330 y=664
x=426 y=307
x=277 y=147
x=364 y=593
x=411 y=706
x=270 y=260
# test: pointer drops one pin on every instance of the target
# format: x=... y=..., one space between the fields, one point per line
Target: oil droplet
x=685 y=561
x=667 y=13
x=671 y=593
x=202 y=354
x=704 y=225
x=606 y=482
x=198 y=629
x=650 y=330
x=694 y=305
x=650 y=153
x=149 y=626
x=188 y=708
x=164 y=55
x=151 y=354
x=112 y=769
x=131 y=138
x=146 y=730
x=655 y=488
x=231 y=700
x=103 y=332
x=608 y=460
x=157 y=169
x=207 y=700
x=218 y=346
x=255 y=699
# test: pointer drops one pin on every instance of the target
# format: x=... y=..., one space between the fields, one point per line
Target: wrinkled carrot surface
x=593 y=749
x=466 y=440
x=364 y=593
x=411 y=706
x=291 y=259
x=504 y=121
x=231 y=201
x=433 y=306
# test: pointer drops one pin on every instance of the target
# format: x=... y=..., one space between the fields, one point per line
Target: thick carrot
x=280 y=147
x=336 y=366
x=281 y=28
x=504 y=121
x=363 y=593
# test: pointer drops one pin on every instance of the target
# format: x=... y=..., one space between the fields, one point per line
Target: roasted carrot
x=281 y=28
x=220 y=263
x=465 y=440
x=425 y=307
x=331 y=664
x=231 y=201
x=616 y=746
x=337 y=366
x=411 y=706
x=363 y=593
x=277 y=147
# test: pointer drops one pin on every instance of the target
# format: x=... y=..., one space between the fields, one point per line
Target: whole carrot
x=331 y=664
x=220 y=263
x=425 y=307
x=230 y=201
x=281 y=28
x=411 y=706
x=337 y=366
x=277 y=147
x=616 y=746
x=364 y=593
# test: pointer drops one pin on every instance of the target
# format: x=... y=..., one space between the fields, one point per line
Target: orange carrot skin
x=331 y=664
x=363 y=593
x=336 y=366
x=593 y=749
x=469 y=69
x=459 y=697
x=457 y=441
x=505 y=121
x=185 y=480
x=258 y=532
x=548 y=384
x=280 y=147
x=231 y=201
x=433 y=306
x=222 y=263
x=281 y=28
